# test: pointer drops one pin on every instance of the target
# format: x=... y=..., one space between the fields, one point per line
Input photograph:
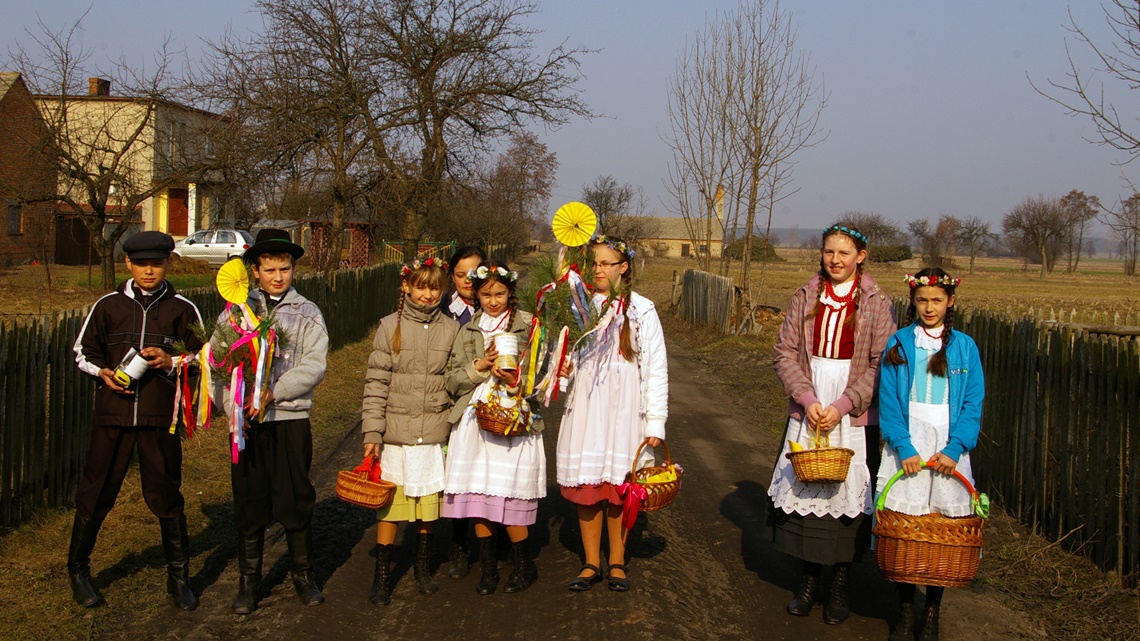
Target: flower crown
x=850 y=231
x=417 y=263
x=482 y=272
x=926 y=281
x=619 y=246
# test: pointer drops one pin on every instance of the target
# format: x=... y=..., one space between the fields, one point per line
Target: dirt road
x=704 y=568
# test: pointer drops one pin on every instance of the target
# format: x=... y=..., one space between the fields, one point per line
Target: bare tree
x=1118 y=60
x=938 y=243
x=742 y=102
x=880 y=230
x=1035 y=225
x=110 y=156
x=1078 y=210
x=622 y=210
x=974 y=234
x=1125 y=225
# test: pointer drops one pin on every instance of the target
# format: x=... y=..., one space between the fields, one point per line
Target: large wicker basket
x=492 y=417
x=931 y=549
x=659 y=494
x=363 y=486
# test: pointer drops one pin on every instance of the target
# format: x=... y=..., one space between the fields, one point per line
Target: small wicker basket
x=363 y=486
x=930 y=549
x=823 y=464
x=661 y=493
x=492 y=417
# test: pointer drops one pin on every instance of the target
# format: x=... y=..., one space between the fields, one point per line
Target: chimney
x=98 y=87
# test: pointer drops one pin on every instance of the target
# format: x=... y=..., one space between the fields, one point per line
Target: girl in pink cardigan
x=827 y=357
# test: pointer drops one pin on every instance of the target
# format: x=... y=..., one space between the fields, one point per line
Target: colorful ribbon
x=633 y=494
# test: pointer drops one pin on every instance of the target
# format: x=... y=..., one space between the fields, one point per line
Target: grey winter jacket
x=405 y=398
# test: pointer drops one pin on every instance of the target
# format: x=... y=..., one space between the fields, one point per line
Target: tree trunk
x=973 y=256
x=1044 y=260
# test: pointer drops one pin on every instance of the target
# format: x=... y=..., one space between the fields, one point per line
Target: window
x=199 y=237
x=15 y=218
x=226 y=237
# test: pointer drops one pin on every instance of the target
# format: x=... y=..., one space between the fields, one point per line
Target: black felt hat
x=272 y=241
x=148 y=244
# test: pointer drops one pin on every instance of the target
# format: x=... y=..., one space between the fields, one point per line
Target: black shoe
x=488 y=566
x=422 y=569
x=525 y=572
x=929 y=631
x=583 y=583
x=904 y=627
x=614 y=583
x=83 y=535
x=381 y=592
x=804 y=600
x=176 y=547
x=304 y=582
x=837 y=609
x=459 y=561
x=250 y=550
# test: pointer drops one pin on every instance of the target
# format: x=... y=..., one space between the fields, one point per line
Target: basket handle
x=979 y=503
x=820 y=441
x=637 y=456
x=370 y=466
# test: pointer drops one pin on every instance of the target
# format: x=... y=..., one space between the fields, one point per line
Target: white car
x=214 y=246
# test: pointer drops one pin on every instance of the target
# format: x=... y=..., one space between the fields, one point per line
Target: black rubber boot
x=83 y=535
x=300 y=547
x=904 y=627
x=250 y=549
x=422 y=568
x=381 y=592
x=837 y=609
x=929 y=631
x=488 y=566
x=805 y=598
x=176 y=547
x=525 y=572
x=459 y=556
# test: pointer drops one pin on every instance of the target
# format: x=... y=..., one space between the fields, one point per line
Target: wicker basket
x=492 y=417
x=931 y=549
x=363 y=486
x=659 y=494
x=821 y=465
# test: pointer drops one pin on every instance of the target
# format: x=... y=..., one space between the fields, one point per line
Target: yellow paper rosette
x=574 y=224
x=233 y=281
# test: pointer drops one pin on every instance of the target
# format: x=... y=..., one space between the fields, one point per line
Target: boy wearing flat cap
x=271 y=478
x=134 y=414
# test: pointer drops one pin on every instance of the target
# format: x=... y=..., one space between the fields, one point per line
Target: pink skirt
x=591 y=494
x=496 y=509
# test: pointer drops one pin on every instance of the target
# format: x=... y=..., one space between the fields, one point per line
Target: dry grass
x=35 y=599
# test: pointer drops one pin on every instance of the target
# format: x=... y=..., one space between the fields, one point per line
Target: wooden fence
x=46 y=402
x=707 y=300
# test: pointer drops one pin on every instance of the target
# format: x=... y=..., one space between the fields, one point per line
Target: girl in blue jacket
x=930 y=409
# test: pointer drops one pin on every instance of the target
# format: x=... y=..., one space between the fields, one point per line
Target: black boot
x=929 y=631
x=83 y=535
x=804 y=600
x=488 y=566
x=421 y=570
x=300 y=545
x=381 y=592
x=904 y=627
x=837 y=609
x=459 y=556
x=250 y=549
x=525 y=573
x=176 y=547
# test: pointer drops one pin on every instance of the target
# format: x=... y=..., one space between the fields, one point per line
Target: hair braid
x=512 y=310
x=856 y=292
x=823 y=276
x=399 y=315
x=937 y=364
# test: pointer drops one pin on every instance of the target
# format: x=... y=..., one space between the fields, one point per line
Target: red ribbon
x=634 y=494
x=370 y=466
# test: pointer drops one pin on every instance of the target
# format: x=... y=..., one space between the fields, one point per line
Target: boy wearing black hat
x=271 y=478
x=146 y=315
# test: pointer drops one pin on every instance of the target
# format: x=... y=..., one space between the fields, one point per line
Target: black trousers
x=271 y=477
x=109 y=457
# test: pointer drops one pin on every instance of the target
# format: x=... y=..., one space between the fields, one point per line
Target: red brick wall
x=25 y=173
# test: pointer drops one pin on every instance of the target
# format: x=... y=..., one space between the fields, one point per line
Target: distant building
x=25 y=176
x=673 y=238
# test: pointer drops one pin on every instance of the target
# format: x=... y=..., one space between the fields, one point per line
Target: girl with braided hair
x=404 y=417
x=827 y=357
x=619 y=400
x=930 y=408
x=492 y=478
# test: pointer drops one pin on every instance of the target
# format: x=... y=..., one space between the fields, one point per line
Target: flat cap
x=148 y=244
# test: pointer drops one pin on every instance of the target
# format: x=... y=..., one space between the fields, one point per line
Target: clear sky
x=930 y=110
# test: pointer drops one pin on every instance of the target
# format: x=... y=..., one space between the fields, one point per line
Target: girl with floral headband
x=931 y=389
x=491 y=478
x=827 y=357
x=404 y=417
x=619 y=400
